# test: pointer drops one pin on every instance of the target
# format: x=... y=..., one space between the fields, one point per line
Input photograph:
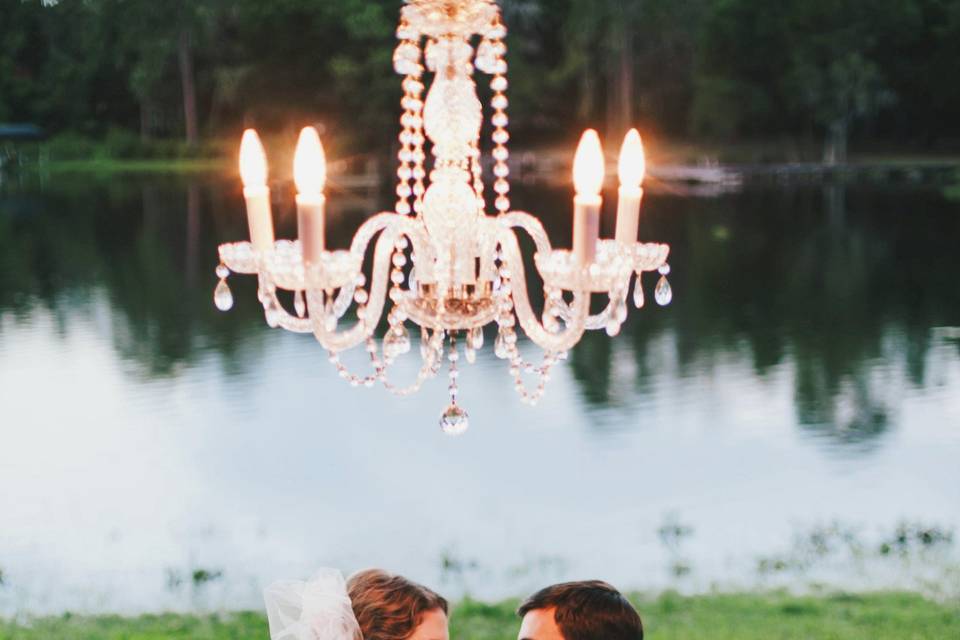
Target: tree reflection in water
x=845 y=284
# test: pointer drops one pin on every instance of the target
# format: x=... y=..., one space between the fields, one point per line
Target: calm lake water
x=798 y=401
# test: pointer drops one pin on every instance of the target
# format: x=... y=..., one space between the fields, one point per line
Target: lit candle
x=253 y=171
x=588 y=173
x=633 y=166
x=310 y=174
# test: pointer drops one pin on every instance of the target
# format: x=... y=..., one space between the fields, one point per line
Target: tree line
x=879 y=74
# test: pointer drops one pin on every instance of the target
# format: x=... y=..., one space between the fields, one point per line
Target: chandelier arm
x=275 y=314
x=371 y=227
x=343 y=301
x=593 y=322
x=369 y=318
x=580 y=308
x=412 y=228
x=531 y=225
x=393 y=227
x=361 y=240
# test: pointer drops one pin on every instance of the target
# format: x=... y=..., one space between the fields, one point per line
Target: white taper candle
x=310 y=175
x=253 y=171
x=632 y=169
x=588 y=173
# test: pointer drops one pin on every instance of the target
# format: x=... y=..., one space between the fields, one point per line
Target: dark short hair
x=390 y=607
x=591 y=610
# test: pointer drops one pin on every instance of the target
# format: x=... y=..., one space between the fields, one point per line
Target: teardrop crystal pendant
x=222 y=296
x=426 y=346
x=475 y=338
x=299 y=304
x=621 y=310
x=612 y=327
x=638 y=298
x=454 y=421
x=664 y=293
x=272 y=315
x=500 y=348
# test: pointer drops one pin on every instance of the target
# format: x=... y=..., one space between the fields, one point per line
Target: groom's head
x=579 y=611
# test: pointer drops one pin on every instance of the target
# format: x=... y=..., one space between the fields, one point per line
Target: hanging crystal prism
x=612 y=327
x=664 y=293
x=300 y=304
x=475 y=339
x=454 y=421
x=222 y=296
x=501 y=348
x=272 y=315
x=638 y=298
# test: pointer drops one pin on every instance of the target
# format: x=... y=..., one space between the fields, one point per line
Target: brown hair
x=390 y=607
x=590 y=610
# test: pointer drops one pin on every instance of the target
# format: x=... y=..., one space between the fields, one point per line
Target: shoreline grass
x=743 y=616
x=121 y=151
x=113 y=166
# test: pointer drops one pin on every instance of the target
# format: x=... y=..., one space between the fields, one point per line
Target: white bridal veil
x=318 y=609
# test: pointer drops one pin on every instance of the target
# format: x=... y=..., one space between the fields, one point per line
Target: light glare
x=253 y=160
x=589 y=165
x=310 y=164
x=633 y=163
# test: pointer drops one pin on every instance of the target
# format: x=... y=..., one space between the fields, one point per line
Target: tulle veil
x=316 y=609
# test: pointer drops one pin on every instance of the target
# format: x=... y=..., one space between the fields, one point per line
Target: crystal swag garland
x=441 y=261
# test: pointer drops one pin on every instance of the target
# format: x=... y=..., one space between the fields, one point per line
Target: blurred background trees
x=821 y=72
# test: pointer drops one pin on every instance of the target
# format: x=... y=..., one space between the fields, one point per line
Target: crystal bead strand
x=397 y=340
x=499 y=120
x=360 y=296
x=432 y=349
x=405 y=171
x=453 y=372
x=517 y=364
x=506 y=344
x=454 y=420
x=417 y=140
x=407 y=61
x=355 y=380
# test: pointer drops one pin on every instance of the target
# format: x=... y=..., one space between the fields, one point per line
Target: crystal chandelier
x=445 y=264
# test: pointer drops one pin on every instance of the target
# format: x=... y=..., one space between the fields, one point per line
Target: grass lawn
x=772 y=616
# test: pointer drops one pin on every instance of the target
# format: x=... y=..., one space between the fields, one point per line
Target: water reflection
x=807 y=320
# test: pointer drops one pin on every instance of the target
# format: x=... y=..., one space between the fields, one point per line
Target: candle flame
x=589 y=165
x=633 y=163
x=310 y=163
x=253 y=160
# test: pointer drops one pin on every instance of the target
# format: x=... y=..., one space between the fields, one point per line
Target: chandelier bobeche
x=445 y=265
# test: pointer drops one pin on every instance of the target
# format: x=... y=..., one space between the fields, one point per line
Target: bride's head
x=390 y=607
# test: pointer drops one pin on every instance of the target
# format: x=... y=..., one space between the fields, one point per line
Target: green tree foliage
x=822 y=67
x=808 y=69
